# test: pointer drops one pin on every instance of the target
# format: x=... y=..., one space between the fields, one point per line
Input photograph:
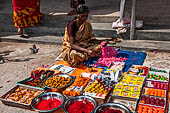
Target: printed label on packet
x=138 y=83
x=117 y=92
x=119 y=86
x=135 y=95
x=136 y=89
x=140 y=79
x=127 y=88
x=125 y=94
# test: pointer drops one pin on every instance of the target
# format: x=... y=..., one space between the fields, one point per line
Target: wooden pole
x=133 y=21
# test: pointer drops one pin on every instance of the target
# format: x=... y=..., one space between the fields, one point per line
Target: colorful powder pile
x=111 y=111
x=109 y=55
x=48 y=104
x=81 y=107
x=108 y=61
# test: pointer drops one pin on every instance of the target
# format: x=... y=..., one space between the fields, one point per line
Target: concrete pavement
x=136 y=45
x=51 y=31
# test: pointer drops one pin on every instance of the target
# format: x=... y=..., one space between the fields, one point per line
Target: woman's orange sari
x=82 y=39
x=26 y=13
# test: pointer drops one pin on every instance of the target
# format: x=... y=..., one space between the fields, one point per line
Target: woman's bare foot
x=21 y=33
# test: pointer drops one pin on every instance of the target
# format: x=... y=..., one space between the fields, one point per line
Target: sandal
x=24 y=36
x=118 y=40
x=111 y=42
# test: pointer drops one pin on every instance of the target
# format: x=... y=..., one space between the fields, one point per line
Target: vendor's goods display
x=138 y=70
x=111 y=75
x=80 y=104
x=149 y=109
x=107 y=62
x=157 y=85
x=20 y=96
x=113 y=79
x=38 y=76
x=117 y=66
x=23 y=95
x=153 y=98
x=155 y=76
x=132 y=80
x=129 y=86
x=97 y=89
x=111 y=108
x=76 y=89
x=83 y=106
x=126 y=91
x=57 y=81
x=47 y=102
x=130 y=103
x=155 y=69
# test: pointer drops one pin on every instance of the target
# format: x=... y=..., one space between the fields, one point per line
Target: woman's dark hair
x=74 y=3
x=81 y=2
x=81 y=9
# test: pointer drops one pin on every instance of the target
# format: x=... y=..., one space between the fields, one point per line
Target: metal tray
x=112 y=105
x=17 y=104
x=21 y=83
x=63 y=75
x=29 y=78
x=129 y=102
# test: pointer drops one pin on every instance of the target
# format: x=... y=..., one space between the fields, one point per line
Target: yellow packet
x=130 y=82
x=136 y=89
x=119 y=86
x=124 y=82
x=138 y=83
x=127 y=88
x=140 y=79
x=134 y=95
x=125 y=78
x=132 y=78
x=125 y=94
x=117 y=92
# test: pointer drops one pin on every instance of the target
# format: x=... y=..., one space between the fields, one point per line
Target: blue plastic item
x=134 y=58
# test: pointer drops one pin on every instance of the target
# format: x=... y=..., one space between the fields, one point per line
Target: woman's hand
x=91 y=53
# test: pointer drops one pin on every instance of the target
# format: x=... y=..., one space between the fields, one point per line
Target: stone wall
x=152 y=11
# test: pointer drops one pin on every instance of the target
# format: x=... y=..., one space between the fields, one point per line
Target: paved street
x=19 y=63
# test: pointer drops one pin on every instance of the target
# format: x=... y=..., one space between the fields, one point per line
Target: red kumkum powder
x=111 y=111
x=48 y=104
x=81 y=107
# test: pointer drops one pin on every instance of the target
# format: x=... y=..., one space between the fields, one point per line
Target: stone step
x=101 y=11
x=149 y=32
x=134 y=45
x=57 y=29
x=154 y=32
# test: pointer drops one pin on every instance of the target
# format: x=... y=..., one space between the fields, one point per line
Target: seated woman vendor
x=78 y=42
x=77 y=45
